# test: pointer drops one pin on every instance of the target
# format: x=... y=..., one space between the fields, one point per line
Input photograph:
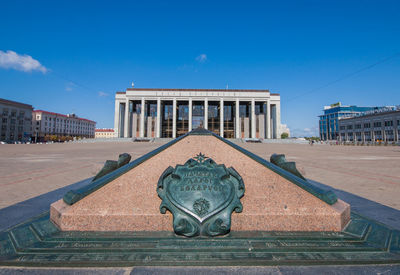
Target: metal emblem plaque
x=201 y=195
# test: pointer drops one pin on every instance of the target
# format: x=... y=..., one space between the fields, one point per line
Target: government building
x=170 y=113
x=104 y=133
x=15 y=121
x=329 y=121
x=381 y=124
x=49 y=123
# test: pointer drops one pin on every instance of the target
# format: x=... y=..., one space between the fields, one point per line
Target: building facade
x=169 y=113
x=49 y=123
x=382 y=124
x=15 y=121
x=329 y=121
x=104 y=133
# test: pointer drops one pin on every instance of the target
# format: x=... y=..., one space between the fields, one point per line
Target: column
x=278 y=119
x=190 y=113
x=206 y=113
x=126 y=119
x=237 y=119
x=221 y=118
x=158 y=133
x=253 y=118
x=268 y=119
x=142 y=114
x=174 y=118
x=117 y=114
x=273 y=123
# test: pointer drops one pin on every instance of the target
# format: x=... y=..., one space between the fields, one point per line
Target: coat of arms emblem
x=201 y=195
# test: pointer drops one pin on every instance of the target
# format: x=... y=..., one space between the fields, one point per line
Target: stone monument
x=199 y=200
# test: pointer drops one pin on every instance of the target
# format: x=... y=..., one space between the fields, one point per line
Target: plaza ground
x=29 y=170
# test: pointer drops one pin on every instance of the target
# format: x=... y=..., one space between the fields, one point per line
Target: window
x=358 y=126
x=12 y=121
x=377 y=124
x=342 y=127
x=349 y=127
x=37 y=117
x=5 y=112
x=367 y=125
x=389 y=123
x=4 y=120
x=13 y=113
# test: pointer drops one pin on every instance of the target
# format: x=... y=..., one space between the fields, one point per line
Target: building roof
x=57 y=114
x=104 y=130
x=196 y=90
x=15 y=103
x=372 y=115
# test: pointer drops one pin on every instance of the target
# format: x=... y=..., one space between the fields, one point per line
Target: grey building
x=15 y=121
x=382 y=124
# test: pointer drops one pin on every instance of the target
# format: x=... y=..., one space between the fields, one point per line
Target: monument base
x=39 y=243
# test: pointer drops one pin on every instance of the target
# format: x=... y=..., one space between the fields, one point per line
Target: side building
x=104 y=133
x=329 y=121
x=49 y=123
x=382 y=124
x=15 y=121
x=169 y=113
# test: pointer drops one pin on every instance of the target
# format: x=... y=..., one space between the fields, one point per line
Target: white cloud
x=201 y=58
x=103 y=94
x=306 y=132
x=25 y=63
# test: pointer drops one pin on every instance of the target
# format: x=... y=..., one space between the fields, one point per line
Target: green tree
x=284 y=135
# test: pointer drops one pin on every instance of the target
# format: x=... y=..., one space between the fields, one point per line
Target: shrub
x=284 y=135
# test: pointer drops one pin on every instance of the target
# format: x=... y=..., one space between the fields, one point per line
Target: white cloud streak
x=25 y=63
x=103 y=94
x=306 y=132
x=201 y=58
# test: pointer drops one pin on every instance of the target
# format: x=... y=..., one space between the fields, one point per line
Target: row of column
x=272 y=128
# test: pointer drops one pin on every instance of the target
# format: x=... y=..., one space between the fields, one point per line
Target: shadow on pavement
x=370 y=209
x=22 y=211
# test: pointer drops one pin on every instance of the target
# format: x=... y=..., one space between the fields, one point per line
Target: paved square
x=29 y=170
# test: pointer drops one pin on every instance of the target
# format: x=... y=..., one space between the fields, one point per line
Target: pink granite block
x=131 y=203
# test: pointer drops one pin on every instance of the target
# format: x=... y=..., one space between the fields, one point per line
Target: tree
x=284 y=135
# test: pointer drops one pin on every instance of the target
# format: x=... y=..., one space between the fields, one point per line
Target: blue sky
x=72 y=56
